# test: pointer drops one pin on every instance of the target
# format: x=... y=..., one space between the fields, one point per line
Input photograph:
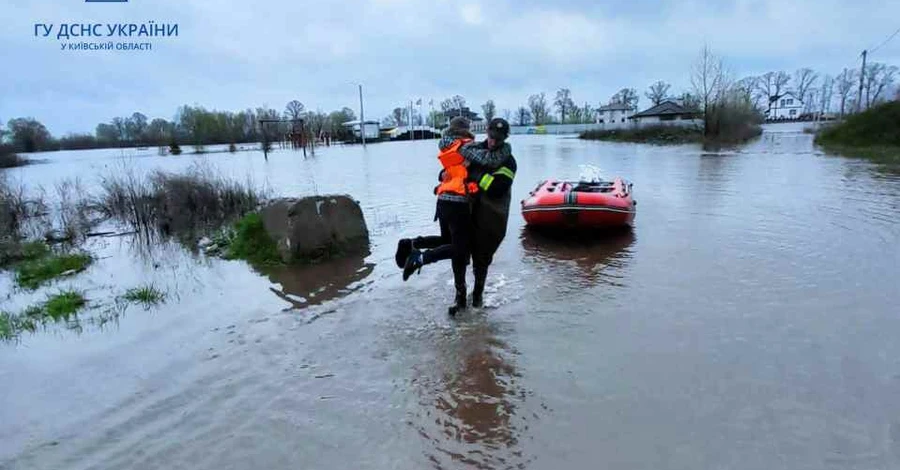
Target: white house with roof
x=787 y=106
x=614 y=113
x=669 y=112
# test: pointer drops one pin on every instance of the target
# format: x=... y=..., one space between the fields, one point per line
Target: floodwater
x=749 y=321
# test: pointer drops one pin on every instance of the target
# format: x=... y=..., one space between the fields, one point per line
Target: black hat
x=498 y=129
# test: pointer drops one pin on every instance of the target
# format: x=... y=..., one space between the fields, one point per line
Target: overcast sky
x=233 y=54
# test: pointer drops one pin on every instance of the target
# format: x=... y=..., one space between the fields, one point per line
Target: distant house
x=665 y=113
x=787 y=106
x=614 y=112
x=476 y=122
x=372 y=129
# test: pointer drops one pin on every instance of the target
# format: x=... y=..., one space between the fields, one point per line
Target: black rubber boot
x=460 y=303
x=404 y=248
x=459 y=280
x=478 y=291
x=413 y=263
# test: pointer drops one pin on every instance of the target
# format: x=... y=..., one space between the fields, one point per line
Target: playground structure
x=299 y=136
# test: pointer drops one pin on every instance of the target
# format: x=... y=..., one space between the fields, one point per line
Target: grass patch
x=12 y=252
x=873 y=134
x=63 y=305
x=658 y=135
x=32 y=274
x=146 y=295
x=886 y=154
x=7 y=327
x=249 y=241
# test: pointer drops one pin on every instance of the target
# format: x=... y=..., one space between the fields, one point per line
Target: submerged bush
x=660 y=134
x=11 y=160
x=731 y=120
x=174 y=204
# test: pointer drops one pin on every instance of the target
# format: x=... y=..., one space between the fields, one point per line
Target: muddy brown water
x=749 y=321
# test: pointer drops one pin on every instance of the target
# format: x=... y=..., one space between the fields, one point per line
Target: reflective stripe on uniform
x=504 y=171
x=485 y=182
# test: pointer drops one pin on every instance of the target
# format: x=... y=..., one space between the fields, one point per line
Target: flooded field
x=750 y=320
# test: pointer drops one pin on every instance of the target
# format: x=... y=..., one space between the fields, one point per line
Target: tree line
x=192 y=125
x=820 y=94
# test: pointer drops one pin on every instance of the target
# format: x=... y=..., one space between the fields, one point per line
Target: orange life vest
x=455 y=172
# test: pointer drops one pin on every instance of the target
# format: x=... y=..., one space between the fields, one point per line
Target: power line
x=885 y=41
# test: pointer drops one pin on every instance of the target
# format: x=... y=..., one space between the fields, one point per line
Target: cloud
x=235 y=54
x=471 y=14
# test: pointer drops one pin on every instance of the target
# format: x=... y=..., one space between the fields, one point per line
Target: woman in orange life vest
x=455 y=193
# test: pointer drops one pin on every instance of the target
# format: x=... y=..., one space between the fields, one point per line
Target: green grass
x=58 y=307
x=36 y=272
x=251 y=242
x=63 y=305
x=873 y=134
x=14 y=252
x=147 y=295
x=8 y=330
x=877 y=153
x=12 y=325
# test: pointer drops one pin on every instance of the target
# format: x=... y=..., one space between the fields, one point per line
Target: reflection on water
x=591 y=253
x=748 y=322
x=471 y=404
x=303 y=286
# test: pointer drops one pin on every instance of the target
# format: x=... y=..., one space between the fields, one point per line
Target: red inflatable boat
x=566 y=204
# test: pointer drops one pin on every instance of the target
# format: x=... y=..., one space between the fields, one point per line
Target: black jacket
x=490 y=210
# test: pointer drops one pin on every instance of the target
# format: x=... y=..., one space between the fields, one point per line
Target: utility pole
x=862 y=73
x=362 y=119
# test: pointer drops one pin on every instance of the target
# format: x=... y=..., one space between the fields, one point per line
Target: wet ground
x=749 y=321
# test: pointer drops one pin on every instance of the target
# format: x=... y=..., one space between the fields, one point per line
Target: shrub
x=250 y=241
x=878 y=126
x=177 y=204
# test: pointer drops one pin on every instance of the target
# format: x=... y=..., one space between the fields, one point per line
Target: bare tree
x=489 y=109
x=878 y=78
x=804 y=80
x=626 y=96
x=845 y=81
x=537 y=103
x=563 y=103
x=397 y=115
x=294 y=110
x=773 y=85
x=523 y=116
x=749 y=89
x=458 y=102
x=658 y=92
x=507 y=115
x=825 y=94
x=706 y=79
x=588 y=112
